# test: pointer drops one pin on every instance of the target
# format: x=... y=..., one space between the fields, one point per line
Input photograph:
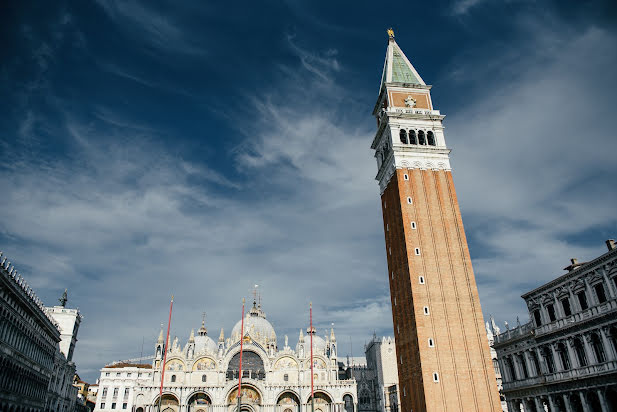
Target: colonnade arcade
x=251 y=401
x=594 y=347
x=600 y=399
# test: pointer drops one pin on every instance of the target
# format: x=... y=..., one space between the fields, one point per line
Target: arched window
x=204 y=378
x=421 y=139
x=403 y=136
x=348 y=403
x=252 y=365
x=598 y=348
x=173 y=378
x=431 y=138
x=580 y=352
x=563 y=356
x=412 y=137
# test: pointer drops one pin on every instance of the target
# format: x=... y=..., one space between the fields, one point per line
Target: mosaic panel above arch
x=285 y=363
x=249 y=395
x=174 y=365
x=318 y=363
x=204 y=364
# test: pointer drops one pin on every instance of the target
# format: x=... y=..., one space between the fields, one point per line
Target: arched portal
x=199 y=402
x=169 y=403
x=252 y=366
x=322 y=402
x=288 y=402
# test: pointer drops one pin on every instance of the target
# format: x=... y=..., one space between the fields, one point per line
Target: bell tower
x=442 y=351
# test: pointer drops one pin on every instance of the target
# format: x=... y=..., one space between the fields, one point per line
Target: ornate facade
x=443 y=356
x=36 y=374
x=565 y=357
x=203 y=374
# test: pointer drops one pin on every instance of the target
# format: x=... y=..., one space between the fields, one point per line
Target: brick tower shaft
x=442 y=350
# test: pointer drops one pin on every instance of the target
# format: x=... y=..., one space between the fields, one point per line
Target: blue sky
x=200 y=148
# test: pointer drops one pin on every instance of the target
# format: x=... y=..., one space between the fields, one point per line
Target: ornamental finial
x=391 y=33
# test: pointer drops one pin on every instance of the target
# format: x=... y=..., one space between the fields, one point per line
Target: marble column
x=584 y=402
x=591 y=357
x=538 y=404
x=541 y=360
x=603 y=402
x=551 y=403
x=608 y=350
x=590 y=297
x=611 y=292
x=566 y=402
x=556 y=359
x=572 y=354
x=531 y=368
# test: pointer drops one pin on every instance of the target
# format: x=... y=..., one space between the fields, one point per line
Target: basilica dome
x=256 y=325
x=203 y=342
x=319 y=344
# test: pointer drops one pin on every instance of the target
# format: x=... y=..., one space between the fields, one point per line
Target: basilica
x=202 y=375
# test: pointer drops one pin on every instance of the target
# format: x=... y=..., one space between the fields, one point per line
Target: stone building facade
x=443 y=356
x=377 y=378
x=35 y=375
x=203 y=374
x=565 y=357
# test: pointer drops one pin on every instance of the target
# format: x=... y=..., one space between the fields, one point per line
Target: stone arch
x=611 y=396
x=198 y=401
x=348 y=402
x=321 y=396
x=288 y=401
x=169 y=402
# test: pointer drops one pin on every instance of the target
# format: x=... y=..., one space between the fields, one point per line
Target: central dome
x=255 y=325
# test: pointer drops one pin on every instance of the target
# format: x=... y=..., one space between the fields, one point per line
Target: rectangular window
x=406 y=176
x=124 y=405
x=102 y=405
x=435 y=377
x=551 y=312
x=413 y=225
x=417 y=250
x=565 y=304
x=426 y=310
x=421 y=280
x=104 y=392
x=537 y=317
x=582 y=300
x=409 y=200
x=431 y=344
x=113 y=405
x=599 y=288
x=115 y=392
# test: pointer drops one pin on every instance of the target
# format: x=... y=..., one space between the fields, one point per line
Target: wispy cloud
x=151 y=27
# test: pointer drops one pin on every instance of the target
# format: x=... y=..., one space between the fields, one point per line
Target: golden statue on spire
x=390 y=33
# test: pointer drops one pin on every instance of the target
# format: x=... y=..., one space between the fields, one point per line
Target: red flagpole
x=171 y=305
x=241 y=340
x=312 y=332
